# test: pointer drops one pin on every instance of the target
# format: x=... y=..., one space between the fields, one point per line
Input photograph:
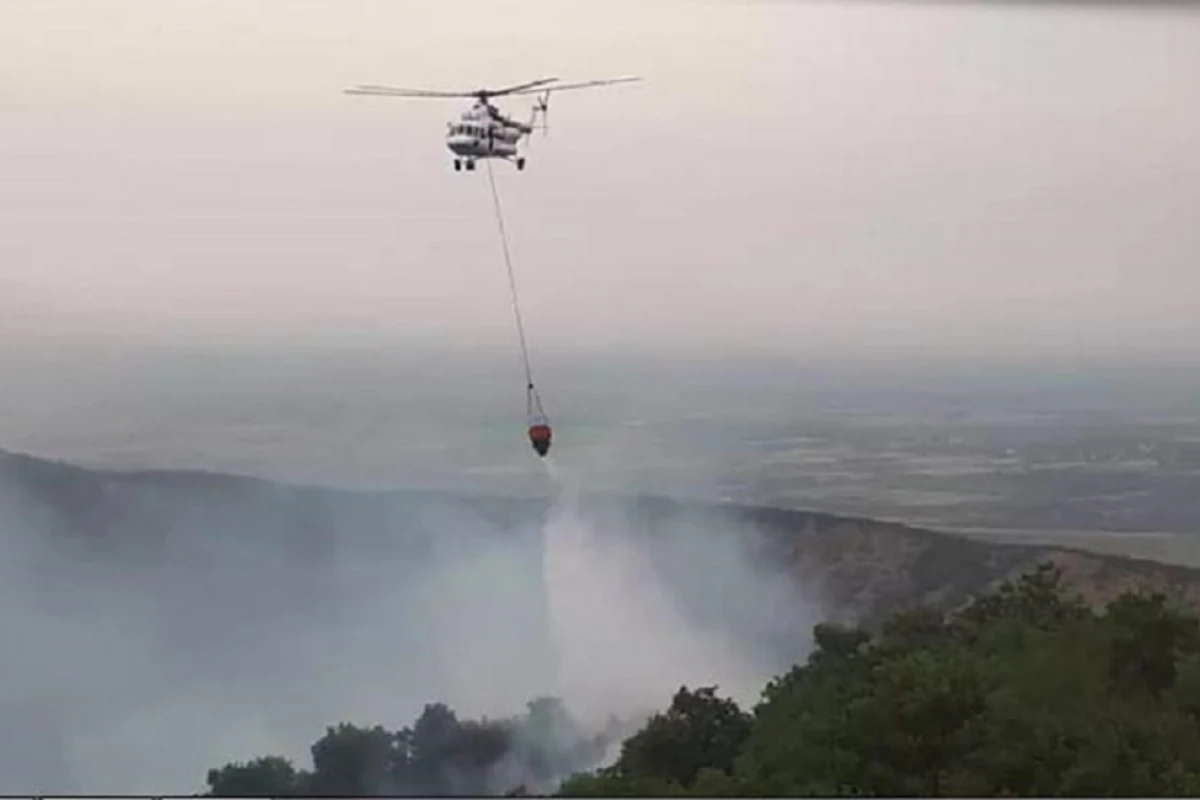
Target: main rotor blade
x=392 y=91
x=580 y=85
x=531 y=87
x=520 y=88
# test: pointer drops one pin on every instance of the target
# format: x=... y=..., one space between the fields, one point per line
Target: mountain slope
x=861 y=567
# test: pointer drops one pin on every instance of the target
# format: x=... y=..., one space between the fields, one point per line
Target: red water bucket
x=539 y=437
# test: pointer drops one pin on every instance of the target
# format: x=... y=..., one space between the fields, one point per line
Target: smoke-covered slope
x=244 y=616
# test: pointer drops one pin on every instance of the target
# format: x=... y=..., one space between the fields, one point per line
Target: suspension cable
x=512 y=280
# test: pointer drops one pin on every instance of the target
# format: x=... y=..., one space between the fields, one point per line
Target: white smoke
x=621 y=643
x=243 y=617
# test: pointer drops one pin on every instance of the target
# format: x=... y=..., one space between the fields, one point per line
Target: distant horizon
x=886 y=355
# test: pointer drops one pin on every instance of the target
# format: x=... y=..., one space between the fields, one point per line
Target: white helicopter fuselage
x=480 y=133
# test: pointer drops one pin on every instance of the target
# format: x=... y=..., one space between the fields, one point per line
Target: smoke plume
x=156 y=625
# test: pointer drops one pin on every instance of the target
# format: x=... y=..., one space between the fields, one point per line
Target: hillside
x=861 y=568
x=1023 y=692
x=143 y=596
x=869 y=568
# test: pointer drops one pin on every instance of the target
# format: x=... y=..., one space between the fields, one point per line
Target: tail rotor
x=543 y=108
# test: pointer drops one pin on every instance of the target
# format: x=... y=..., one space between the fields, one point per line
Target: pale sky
x=795 y=176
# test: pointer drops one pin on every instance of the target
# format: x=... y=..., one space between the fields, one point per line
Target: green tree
x=1023 y=691
x=698 y=730
x=1147 y=640
x=349 y=760
x=1036 y=598
x=269 y=776
x=609 y=783
x=899 y=727
x=550 y=742
x=439 y=754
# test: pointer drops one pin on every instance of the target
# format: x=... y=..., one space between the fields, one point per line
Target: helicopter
x=482 y=131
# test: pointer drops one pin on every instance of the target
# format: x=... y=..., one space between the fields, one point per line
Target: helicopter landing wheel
x=520 y=163
x=470 y=166
x=457 y=165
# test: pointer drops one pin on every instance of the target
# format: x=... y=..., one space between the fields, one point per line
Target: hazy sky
x=791 y=175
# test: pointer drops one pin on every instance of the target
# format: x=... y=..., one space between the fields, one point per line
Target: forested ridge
x=1023 y=691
